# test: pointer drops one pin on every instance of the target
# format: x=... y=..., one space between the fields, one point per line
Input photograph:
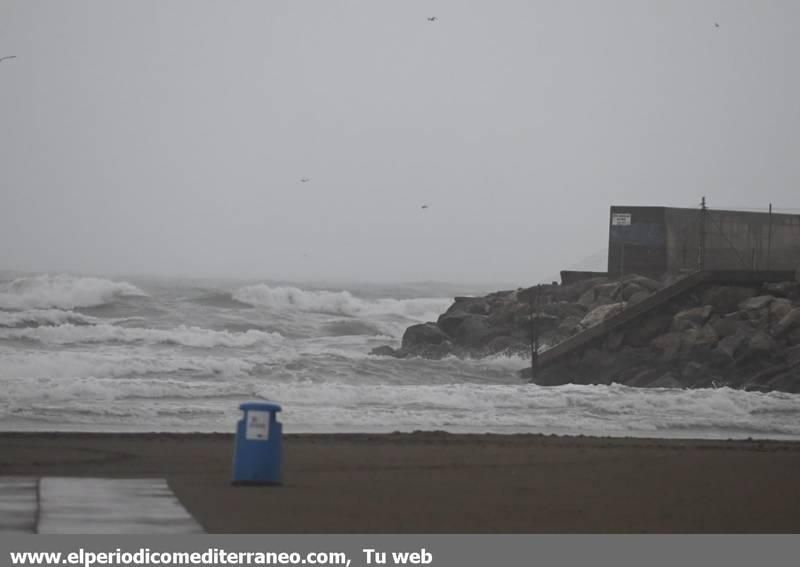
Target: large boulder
x=506 y=314
x=759 y=346
x=788 y=290
x=697 y=344
x=756 y=318
x=468 y=305
x=424 y=334
x=573 y=291
x=469 y=330
x=649 y=284
x=691 y=318
x=779 y=308
x=695 y=374
x=569 y=325
x=726 y=299
x=761 y=342
x=609 y=290
x=788 y=381
x=792 y=355
x=733 y=345
x=788 y=323
x=756 y=303
x=725 y=326
x=600 y=314
x=631 y=289
x=782 y=377
x=562 y=310
x=667 y=345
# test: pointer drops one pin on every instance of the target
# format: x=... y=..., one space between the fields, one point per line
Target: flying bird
x=432 y=19
x=424 y=207
x=716 y=25
x=305 y=179
x=7 y=57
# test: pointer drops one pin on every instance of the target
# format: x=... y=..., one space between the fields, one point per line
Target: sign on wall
x=621 y=219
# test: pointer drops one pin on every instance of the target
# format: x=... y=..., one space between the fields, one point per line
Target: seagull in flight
x=305 y=179
x=7 y=57
x=424 y=207
x=432 y=19
x=716 y=24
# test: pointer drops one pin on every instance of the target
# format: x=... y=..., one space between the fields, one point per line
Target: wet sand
x=441 y=483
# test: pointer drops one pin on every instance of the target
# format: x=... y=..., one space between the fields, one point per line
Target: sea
x=146 y=354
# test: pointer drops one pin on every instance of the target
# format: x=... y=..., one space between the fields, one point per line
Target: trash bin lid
x=260 y=406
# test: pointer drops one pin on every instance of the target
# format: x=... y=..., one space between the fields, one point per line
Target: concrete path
x=53 y=505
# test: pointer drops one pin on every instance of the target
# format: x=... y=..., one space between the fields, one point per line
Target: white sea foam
x=340 y=302
x=37 y=317
x=599 y=410
x=62 y=369
x=105 y=333
x=210 y=405
x=62 y=291
x=64 y=365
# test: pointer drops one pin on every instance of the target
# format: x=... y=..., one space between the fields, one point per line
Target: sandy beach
x=442 y=483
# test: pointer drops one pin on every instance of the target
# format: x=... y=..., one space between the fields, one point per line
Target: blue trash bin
x=257 y=454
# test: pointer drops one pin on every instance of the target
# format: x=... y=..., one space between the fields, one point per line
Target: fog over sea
x=136 y=354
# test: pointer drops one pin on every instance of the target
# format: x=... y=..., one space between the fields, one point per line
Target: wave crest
x=62 y=291
x=339 y=302
x=105 y=333
x=42 y=317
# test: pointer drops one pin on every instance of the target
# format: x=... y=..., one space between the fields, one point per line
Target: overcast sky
x=171 y=137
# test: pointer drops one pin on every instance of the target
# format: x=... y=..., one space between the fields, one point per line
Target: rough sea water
x=97 y=354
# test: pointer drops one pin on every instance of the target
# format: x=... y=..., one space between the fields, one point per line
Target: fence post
x=701 y=260
x=769 y=237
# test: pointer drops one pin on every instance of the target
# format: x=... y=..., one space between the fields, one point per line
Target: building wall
x=734 y=240
x=641 y=247
x=663 y=239
x=683 y=240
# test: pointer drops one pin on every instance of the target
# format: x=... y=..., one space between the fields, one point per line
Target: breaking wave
x=55 y=366
x=339 y=302
x=221 y=300
x=62 y=291
x=43 y=317
x=351 y=327
x=105 y=333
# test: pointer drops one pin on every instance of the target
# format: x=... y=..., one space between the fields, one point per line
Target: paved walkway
x=53 y=505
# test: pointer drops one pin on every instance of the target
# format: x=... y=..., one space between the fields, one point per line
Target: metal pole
x=701 y=260
x=769 y=237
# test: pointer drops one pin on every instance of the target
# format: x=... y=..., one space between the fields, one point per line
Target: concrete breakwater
x=710 y=329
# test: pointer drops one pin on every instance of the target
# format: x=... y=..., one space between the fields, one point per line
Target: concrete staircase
x=594 y=335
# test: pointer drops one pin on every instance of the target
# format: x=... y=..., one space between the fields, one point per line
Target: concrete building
x=659 y=240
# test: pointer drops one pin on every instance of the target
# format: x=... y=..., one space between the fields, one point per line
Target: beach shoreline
x=437 y=482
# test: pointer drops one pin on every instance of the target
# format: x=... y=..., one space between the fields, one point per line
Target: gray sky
x=170 y=137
